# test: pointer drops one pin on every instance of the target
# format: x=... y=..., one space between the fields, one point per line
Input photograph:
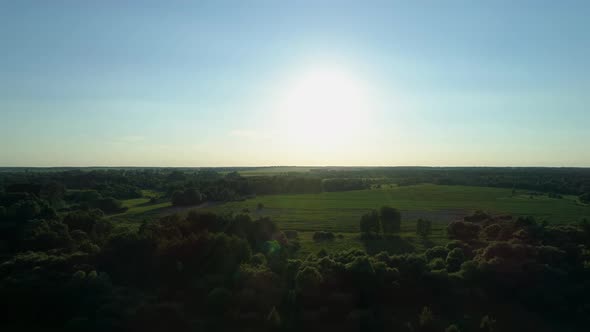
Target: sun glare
x=323 y=108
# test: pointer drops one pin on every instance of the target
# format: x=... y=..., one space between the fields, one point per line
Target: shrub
x=323 y=236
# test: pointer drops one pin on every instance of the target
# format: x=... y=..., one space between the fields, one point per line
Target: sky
x=266 y=83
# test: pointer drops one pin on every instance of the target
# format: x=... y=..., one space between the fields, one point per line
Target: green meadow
x=340 y=211
x=140 y=209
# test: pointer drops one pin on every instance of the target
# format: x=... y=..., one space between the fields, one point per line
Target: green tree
x=455 y=258
x=46 y=235
x=308 y=278
x=192 y=196
x=83 y=220
x=178 y=198
x=423 y=228
x=370 y=223
x=26 y=210
x=54 y=193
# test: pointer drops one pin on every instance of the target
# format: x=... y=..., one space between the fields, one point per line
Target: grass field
x=139 y=209
x=340 y=211
x=141 y=205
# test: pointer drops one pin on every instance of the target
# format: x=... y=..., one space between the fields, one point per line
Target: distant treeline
x=102 y=188
x=572 y=181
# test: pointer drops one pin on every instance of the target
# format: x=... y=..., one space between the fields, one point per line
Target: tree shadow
x=392 y=244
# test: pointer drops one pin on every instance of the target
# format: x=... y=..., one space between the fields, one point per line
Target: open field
x=142 y=205
x=340 y=211
x=140 y=209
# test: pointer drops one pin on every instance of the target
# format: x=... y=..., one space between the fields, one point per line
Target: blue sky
x=179 y=83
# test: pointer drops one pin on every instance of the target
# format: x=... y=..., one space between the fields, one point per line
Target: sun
x=323 y=107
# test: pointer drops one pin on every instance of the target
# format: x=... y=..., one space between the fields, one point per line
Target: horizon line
x=308 y=166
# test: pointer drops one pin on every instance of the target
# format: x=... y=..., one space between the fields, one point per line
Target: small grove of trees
x=385 y=221
x=92 y=199
x=190 y=196
x=463 y=231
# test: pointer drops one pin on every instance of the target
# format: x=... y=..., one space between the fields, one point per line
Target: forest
x=70 y=260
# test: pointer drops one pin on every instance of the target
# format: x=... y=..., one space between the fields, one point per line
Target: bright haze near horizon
x=249 y=83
